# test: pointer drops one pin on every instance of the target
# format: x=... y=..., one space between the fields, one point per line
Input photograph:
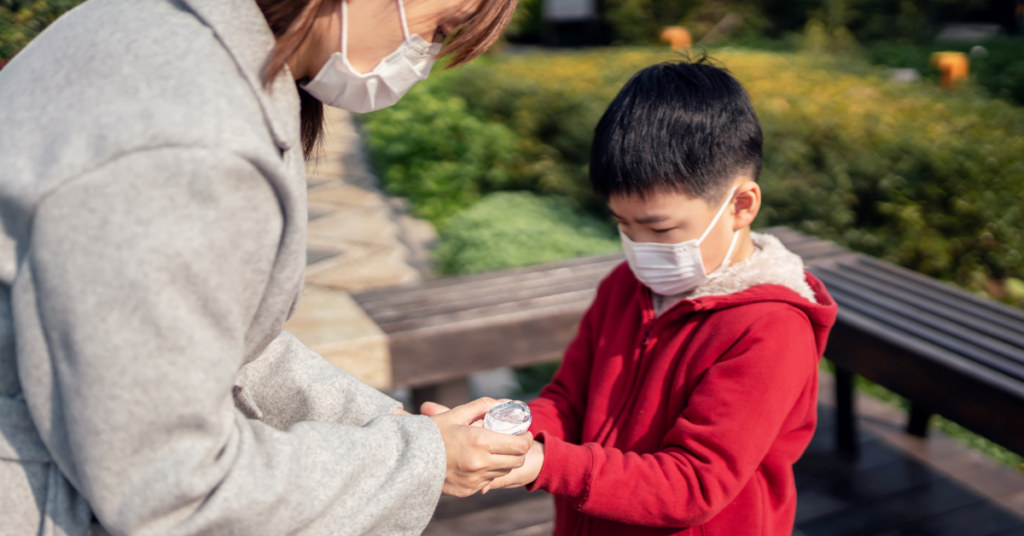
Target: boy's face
x=670 y=217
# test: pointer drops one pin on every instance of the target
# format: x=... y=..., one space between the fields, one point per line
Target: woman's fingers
x=476 y=455
x=432 y=408
x=472 y=411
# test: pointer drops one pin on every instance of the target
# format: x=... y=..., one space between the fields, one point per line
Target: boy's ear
x=747 y=203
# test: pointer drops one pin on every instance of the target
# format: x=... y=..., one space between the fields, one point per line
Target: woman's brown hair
x=291 y=21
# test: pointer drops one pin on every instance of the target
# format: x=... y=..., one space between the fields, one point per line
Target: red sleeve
x=734 y=415
x=558 y=410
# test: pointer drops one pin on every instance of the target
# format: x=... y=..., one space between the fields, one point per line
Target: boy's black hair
x=686 y=126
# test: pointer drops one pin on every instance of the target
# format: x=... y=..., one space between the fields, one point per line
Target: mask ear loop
x=732 y=245
x=344 y=29
x=719 y=215
x=344 y=25
x=728 y=254
x=405 y=25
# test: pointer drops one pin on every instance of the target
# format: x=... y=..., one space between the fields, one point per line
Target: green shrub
x=431 y=150
x=555 y=101
x=434 y=150
x=22 y=20
x=510 y=229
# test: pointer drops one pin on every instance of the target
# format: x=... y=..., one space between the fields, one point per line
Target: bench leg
x=918 y=423
x=450 y=393
x=846 y=415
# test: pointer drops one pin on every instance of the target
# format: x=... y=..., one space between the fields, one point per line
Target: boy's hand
x=523 y=475
x=475 y=456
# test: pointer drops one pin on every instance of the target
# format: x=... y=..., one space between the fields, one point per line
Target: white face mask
x=670 y=269
x=339 y=85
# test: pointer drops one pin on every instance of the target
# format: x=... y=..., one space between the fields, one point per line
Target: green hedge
x=430 y=149
x=509 y=229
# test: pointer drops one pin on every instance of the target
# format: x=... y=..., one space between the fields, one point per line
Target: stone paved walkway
x=358 y=239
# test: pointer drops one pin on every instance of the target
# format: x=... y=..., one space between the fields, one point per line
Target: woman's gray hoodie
x=153 y=210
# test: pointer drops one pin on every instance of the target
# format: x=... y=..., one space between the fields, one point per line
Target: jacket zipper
x=635 y=380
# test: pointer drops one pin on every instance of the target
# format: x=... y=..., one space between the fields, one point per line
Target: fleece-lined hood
x=772 y=273
x=771 y=264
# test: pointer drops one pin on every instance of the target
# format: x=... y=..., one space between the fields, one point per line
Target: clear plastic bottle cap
x=511 y=418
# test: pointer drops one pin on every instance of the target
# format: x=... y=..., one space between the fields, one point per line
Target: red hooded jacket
x=688 y=423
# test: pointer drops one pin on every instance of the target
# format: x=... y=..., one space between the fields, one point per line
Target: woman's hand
x=433 y=408
x=523 y=475
x=475 y=455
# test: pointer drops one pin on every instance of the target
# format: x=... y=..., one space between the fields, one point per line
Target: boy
x=691 y=387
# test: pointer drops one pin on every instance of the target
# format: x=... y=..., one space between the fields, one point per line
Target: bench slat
x=475 y=302
x=453 y=300
x=951 y=296
x=894 y=317
x=988 y=335
x=579 y=299
x=439 y=353
x=514 y=275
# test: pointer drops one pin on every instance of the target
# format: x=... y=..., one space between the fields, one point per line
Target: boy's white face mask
x=670 y=269
x=339 y=85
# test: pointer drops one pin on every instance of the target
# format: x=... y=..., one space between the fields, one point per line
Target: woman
x=152 y=199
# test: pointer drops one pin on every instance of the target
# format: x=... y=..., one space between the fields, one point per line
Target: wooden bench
x=443 y=330
x=944 y=349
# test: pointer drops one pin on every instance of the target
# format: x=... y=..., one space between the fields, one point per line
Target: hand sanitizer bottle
x=511 y=418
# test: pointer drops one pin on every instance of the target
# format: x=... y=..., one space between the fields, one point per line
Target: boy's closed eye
x=648 y=225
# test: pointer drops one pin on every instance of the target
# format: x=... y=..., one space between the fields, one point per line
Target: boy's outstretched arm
x=558 y=410
x=732 y=419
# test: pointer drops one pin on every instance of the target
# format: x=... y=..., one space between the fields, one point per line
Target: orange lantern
x=953 y=68
x=677 y=37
